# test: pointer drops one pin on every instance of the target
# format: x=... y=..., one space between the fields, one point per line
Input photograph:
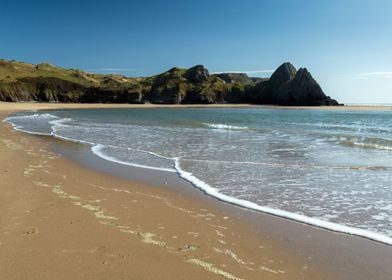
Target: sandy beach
x=61 y=220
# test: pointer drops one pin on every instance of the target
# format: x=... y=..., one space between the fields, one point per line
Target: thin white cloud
x=367 y=76
x=249 y=72
x=384 y=74
x=351 y=78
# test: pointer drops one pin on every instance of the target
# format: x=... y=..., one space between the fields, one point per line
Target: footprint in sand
x=30 y=230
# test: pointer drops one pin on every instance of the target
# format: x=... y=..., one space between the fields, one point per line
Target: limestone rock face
x=44 y=82
x=43 y=89
x=239 y=78
x=285 y=73
x=167 y=87
x=200 y=96
x=291 y=88
x=197 y=74
x=303 y=90
x=166 y=95
x=234 y=78
x=113 y=95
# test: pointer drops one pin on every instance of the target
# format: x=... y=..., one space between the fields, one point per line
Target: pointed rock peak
x=303 y=75
x=283 y=74
x=303 y=71
x=197 y=74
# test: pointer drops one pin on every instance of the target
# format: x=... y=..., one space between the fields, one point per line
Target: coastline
x=11 y=107
x=302 y=271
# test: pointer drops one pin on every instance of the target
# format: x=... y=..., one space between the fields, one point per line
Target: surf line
x=214 y=192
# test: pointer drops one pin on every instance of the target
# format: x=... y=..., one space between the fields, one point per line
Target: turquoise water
x=327 y=168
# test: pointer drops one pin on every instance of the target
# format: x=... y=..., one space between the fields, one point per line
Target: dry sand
x=59 y=220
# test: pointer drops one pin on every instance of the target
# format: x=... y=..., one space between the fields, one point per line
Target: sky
x=345 y=44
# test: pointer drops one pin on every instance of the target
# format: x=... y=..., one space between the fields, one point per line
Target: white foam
x=225 y=126
x=284 y=165
x=97 y=150
x=59 y=122
x=214 y=192
x=11 y=120
x=141 y=151
x=372 y=146
x=34 y=116
x=19 y=128
x=71 y=139
x=56 y=124
x=357 y=126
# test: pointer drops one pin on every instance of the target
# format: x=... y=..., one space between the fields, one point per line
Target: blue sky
x=346 y=44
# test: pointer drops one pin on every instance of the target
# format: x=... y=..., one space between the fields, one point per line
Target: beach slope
x=59 y=220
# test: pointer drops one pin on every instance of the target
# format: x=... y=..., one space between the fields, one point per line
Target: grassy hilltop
x=44 y=82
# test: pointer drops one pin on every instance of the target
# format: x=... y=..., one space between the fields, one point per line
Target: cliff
x=290 y=87
x=45 y=82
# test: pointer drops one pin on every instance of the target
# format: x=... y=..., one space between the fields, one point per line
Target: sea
x=327 y=168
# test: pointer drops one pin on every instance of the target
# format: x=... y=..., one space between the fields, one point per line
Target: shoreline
x=59 y=220
x=243 y=214
x=22 y=106
x=212 y=192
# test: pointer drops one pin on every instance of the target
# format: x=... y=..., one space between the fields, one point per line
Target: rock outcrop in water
x=47 y=83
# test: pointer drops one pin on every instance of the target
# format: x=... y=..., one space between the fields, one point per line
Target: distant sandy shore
x=41 y=106
x=60 y=220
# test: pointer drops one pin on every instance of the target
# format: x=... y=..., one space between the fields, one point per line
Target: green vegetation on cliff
x=45 y=82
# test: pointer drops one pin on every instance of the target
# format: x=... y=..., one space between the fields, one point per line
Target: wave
x=225 y=126
x=97 y=150
x=59 y=122
x=56 y=124
x=373 y=146
x=71 y=139
x=39 y=117
x=376 y=144
x=20 y=128
x=34 y=116
x=353 y=127
x=214 y=192
x=286 y=165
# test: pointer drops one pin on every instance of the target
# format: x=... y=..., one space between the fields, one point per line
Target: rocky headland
x=45 y=82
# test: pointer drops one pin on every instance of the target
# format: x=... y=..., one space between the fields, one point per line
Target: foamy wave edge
x=34 y=116
x=225 y=126
x=214 y=192
x=97 y=150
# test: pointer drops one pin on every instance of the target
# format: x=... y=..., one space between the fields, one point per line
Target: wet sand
x=62 y=220
x=340 y=256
